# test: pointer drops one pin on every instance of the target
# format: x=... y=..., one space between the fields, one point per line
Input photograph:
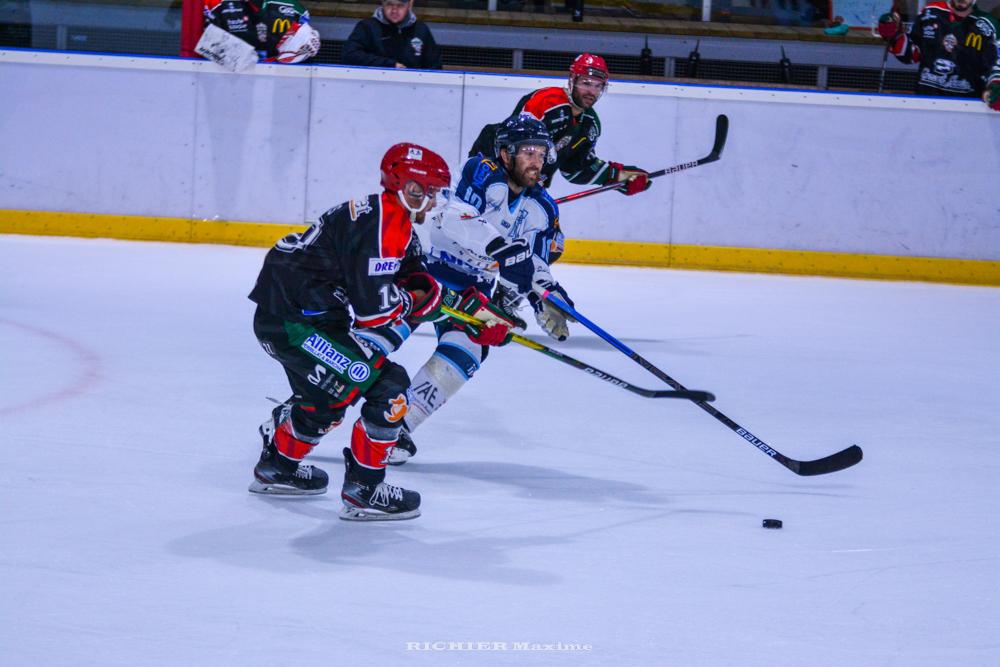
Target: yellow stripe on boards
x=795 y=262
x=578 y=251
x=141 y=228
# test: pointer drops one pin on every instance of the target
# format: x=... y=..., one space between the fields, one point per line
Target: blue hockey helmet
x=523 y=130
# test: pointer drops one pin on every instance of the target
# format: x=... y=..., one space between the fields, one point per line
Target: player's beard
x=961 y=6
x=581 y=101
x=526 y=176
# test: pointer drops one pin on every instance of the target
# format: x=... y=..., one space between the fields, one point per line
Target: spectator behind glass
x=392 y=37
x=954 y=45
x=278 y=30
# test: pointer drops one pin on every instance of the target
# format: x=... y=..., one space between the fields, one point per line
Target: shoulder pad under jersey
x=544 y=100
x=478 y=174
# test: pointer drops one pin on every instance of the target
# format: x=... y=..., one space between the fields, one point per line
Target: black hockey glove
x=516 y=265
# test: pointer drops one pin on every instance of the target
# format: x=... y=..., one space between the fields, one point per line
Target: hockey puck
x=772 y=523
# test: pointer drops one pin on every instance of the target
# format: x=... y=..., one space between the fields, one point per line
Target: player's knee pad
x=385 y=402
x=453 y=363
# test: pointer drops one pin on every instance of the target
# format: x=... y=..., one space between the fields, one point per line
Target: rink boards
x=813 y=183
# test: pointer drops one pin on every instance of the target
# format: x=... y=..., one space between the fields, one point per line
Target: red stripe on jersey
x=347 y=401
x=394 y=227
x=544 y=100
x=379 y=320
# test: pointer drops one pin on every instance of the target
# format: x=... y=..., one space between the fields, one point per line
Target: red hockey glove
x=889 y=26
x=299 y=43
x=636 y=180
x=496 y=323
x=424 y=295
x=992 y=95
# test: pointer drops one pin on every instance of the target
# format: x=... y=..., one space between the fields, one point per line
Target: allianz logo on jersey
x=321 y=348
x=378 y=266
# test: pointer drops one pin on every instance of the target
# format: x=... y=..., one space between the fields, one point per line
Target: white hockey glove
x=553 y=321
x=301 y=42
x=225 y=50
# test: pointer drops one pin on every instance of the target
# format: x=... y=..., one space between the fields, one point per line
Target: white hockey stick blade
x=226 y=50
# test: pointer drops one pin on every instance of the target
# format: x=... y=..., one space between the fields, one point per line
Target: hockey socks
x=365 y=494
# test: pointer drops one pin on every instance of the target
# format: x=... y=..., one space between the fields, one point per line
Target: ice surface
x=557 y=508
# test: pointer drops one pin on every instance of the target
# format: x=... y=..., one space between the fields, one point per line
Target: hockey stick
x=842 y=459
x=721 y=133
x=881 y=73
x=690 y=394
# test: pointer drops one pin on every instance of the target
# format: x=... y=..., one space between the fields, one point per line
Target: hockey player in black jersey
x=955 y=47
x=357 y=269
x=573 y=125
x=569 y=116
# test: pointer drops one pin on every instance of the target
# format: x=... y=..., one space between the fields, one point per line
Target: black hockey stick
x=721 y=133
x=842 y=459
x=881 y=73
x=689 y=394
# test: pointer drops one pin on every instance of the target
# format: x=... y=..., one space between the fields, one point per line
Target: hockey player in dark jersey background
x=494 y=234
x=356 y=271
x=278 y=29
x=955 y=47
x=569 y=116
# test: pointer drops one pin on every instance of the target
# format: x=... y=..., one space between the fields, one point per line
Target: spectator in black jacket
x=392 y=37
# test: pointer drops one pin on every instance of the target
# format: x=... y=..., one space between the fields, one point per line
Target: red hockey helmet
x=409 y=162
x=587 y=64
x=591 y=66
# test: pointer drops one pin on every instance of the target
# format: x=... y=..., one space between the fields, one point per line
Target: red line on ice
x=89 y=361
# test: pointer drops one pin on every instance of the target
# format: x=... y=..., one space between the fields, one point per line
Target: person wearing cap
x=392 y=37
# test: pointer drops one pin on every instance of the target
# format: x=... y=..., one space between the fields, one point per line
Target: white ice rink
x=556 y=508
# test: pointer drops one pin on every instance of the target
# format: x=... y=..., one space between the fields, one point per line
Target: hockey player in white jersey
x=493 y=236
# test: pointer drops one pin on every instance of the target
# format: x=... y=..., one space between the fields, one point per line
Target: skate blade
x=352 y=513
x=257 y=486
x=398 y=458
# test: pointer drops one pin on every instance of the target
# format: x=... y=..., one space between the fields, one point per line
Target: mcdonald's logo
x=974 y=40
x=281 y=26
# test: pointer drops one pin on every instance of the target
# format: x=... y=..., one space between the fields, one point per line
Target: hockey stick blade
x=721 y=134
x=833 y=463
x=689 y=394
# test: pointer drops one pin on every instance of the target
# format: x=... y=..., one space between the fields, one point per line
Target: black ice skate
x=404 y=450
x=367 y=500
x=278 y=475
x=509 y=302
